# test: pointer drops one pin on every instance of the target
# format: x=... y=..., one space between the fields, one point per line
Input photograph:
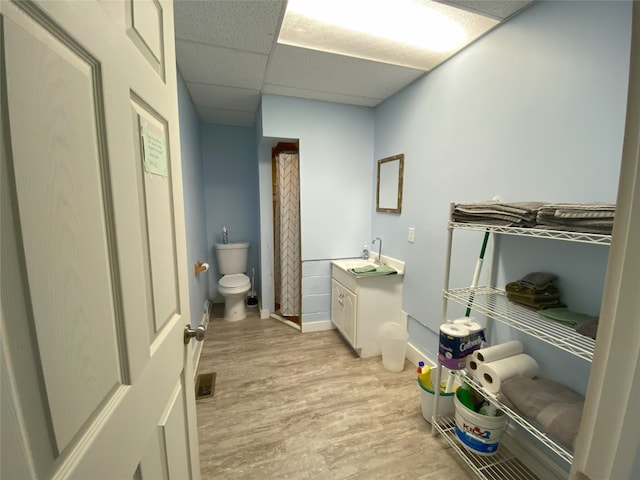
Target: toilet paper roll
x=205 y=267
x=469 y=323
x=498 y=352
x=491 y=375
x=454 y=330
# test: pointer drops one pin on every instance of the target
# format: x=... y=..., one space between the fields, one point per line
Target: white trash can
x=393 y=340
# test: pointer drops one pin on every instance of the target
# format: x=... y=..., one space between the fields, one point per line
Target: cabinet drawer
x=349 y=281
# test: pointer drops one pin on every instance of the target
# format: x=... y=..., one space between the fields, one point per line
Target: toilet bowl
x=234 y=289
x=234 y=285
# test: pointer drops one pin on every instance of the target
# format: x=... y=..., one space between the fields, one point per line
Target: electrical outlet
x=412 y=235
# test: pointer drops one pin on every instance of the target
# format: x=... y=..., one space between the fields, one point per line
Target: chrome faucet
x=379 y=260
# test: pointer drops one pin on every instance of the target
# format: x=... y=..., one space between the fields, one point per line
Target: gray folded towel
x=554 y=406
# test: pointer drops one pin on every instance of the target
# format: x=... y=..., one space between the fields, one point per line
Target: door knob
x=189 y=333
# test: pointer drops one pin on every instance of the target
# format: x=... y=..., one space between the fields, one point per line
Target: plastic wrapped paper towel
x=492 y=374
x=491 y=354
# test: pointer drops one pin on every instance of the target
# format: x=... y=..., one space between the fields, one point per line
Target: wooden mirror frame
x=385 y=208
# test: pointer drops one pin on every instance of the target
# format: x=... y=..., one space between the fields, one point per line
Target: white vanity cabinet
x=359 y=306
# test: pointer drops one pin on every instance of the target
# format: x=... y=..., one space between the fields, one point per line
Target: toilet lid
x=233 y=281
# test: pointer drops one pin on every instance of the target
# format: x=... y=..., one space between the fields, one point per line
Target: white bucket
x=445 y=403
x=478 y=433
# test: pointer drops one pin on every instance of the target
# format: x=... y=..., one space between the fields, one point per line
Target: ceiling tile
x=323 y=96
x=220 y=66
x=315 y=71
x=224 y=97
x=243 y=25
x=226 y=117
x=500 y=9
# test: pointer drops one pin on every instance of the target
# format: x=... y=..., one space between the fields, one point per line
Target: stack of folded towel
x=572 y=217
x=517 y=214
x=537 y=290
x=580 y=322
x=577 y=217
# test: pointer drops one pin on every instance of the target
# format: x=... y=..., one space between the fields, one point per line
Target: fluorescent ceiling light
x=412 y=33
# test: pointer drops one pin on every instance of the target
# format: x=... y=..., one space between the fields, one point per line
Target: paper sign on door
x=154 y=150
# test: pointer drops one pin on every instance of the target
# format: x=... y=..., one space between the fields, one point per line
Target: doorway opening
x=285 y=176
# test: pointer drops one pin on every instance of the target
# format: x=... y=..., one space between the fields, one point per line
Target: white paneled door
x=96 y=379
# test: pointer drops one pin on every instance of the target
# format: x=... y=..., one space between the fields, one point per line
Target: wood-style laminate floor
x=305 y=406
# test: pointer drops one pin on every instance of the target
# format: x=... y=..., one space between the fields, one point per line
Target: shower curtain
x=287 y=251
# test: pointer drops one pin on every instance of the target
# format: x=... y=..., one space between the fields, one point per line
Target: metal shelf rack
x=494 y=303
x=501 y=466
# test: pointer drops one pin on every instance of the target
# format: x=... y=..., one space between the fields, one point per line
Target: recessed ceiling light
x=412 y=33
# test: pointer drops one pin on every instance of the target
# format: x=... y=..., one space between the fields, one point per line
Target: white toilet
x=234 y=285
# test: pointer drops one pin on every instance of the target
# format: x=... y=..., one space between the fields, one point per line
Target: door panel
x=144 y=28
x=157 y=209
x=96 y=379
x=62 y=216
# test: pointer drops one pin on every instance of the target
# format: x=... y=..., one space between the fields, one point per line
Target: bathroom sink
x=349 y=264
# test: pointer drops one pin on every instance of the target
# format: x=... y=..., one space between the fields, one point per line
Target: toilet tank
x=232 y=257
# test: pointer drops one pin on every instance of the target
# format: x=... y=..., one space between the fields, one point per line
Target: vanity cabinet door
x=337 y=310
x=344 y=309
x=350 y=311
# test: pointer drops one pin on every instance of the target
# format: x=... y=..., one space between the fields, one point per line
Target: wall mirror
x=389 y=190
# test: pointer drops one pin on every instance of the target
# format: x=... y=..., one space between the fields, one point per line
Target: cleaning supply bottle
x=225 y=235
x=365 y=252
x=424 y=375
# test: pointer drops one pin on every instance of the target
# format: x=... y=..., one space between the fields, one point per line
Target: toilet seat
x=234 y=283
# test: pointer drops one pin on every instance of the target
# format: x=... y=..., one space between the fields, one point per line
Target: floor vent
x=205 y=385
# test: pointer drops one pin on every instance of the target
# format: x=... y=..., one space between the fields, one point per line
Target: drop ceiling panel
x=499 y=9
x=316 y=71
x=323 y=96
x=230 y=98
x=226 y=117
x=241 y=25
x=220 y=66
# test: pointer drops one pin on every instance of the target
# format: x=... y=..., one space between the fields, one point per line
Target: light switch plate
x=412 y=235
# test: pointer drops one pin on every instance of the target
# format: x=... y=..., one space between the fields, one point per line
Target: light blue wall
x=535 y=110
x=336 y=174
x=194 y=205
x=231 y=192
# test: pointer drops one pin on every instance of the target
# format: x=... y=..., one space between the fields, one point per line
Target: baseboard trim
x=264 y=314
x=318 y=326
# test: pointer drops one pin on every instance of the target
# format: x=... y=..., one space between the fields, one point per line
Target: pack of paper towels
x=493 y=365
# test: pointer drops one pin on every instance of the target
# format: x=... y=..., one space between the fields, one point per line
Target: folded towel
x=365 y=269
x=554 y=406
x=577 y=217
x=566 y=317
x=372 y=270
x=588 y=328
x=522 y=214
x=539 y=280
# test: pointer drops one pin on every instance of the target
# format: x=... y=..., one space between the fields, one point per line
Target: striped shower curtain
x=287 y=256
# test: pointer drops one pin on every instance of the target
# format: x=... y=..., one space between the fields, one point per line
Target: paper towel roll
x=472 y=365
x=498 y=352
x=491 y=375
